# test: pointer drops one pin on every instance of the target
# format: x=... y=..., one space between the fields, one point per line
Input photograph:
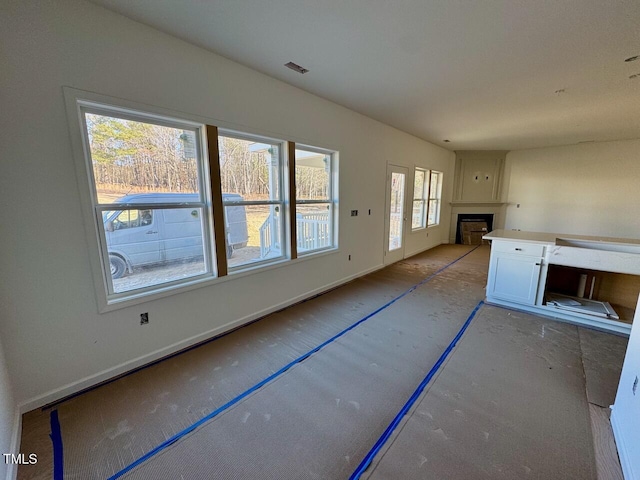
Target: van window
x=133 y=219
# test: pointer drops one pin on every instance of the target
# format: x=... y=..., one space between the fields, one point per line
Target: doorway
x=396 y=213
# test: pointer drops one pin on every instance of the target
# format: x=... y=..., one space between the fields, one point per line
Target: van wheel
x=229 y=251
x=117 y=266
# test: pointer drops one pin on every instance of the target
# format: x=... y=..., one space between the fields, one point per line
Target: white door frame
x=391 y=254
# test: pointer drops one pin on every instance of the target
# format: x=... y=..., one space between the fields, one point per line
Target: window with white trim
x=149 y=201
x=314 y=204
x=427 y=193
x=435 y=198
x=251 y=173
x=176 y=202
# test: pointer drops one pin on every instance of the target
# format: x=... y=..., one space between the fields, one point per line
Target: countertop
x=550 y=238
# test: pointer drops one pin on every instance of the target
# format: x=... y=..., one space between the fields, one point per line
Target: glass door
x=396 y=213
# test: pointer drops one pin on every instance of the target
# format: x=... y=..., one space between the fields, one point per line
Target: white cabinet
x=514 y=272
x=625 y=413
x=524 y=273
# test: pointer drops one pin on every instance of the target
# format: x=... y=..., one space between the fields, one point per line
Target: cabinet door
x=514 y=278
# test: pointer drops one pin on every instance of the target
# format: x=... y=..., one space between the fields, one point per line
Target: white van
x=149 y=236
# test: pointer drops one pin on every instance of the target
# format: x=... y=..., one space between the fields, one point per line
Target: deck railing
x=312 y=231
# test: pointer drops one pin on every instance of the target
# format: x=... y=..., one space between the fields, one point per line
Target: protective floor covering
x=510 y=403
x=110 y=427
x=320 y=418
x=602 y=357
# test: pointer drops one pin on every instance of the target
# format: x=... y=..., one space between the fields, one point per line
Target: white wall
x=588 y=189
x=7 y=417
x=625 y=415
x=55 y=339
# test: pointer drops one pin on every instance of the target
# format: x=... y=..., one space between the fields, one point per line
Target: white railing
x=269 y=235
x=312 y=231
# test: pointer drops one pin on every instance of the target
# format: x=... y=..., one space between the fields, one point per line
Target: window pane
x=434 y=187
x=249 y=168
x=254 y=233
x=434 y=212
x=313 y=227
x=418 y=185
x=149 y=247
x=396 y=211
x=129 y=157
x=417 y=217
x=313 y=173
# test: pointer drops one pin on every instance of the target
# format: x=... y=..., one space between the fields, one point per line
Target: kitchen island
x=586 y=280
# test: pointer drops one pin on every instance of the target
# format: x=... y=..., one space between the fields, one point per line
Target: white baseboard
x=420 y=250
x=625 y=461
x=89 y=381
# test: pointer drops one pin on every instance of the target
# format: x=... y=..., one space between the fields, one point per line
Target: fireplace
x=472 y=218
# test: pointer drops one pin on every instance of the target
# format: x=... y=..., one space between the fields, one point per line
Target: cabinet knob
x=518 y=249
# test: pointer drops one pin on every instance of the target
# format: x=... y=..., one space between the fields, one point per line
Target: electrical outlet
x=144 y=318
x=354 y=213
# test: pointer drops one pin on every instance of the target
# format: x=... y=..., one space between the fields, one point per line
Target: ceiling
x=484 y=74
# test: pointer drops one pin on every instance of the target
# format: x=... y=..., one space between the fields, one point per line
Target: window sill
x=166 y=291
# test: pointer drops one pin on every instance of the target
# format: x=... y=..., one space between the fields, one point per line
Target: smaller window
x=435 y=198
x=427 y=194
x=251 y=172
x=420 y=185
x=314 y=200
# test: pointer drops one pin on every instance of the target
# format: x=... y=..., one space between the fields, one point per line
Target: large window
x=176 y=202
x=251 y=171
x=314 y=200
x=148 y=198
x=427 y=193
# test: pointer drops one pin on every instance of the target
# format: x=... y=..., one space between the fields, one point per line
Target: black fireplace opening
x=473 y=217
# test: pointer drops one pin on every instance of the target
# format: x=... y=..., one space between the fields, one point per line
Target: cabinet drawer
x=519 y=248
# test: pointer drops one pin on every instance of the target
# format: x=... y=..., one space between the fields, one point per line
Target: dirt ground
x=152 y=275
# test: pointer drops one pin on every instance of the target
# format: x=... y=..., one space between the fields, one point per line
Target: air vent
x=296 y=68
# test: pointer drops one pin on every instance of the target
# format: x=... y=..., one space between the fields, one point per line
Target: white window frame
x=436 y=198
x=77 y=102
x=280 y=202
x=422 y=197
x=426 y=198
x=332 y=199
x=87 y=107
x=94 y=227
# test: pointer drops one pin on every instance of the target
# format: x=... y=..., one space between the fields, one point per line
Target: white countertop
x=550 y=238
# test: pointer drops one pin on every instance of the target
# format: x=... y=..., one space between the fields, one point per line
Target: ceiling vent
x=296 y=68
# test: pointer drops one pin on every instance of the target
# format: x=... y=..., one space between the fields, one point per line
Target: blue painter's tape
x=213 y=339
x=259 y=385
x=56 y=439
x=416 y=394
